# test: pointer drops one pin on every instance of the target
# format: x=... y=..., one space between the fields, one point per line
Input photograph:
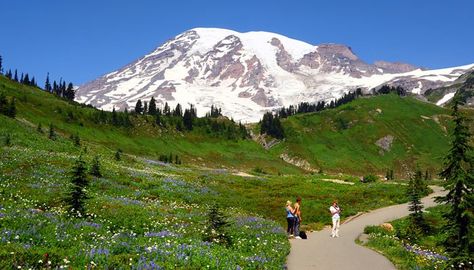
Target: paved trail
x=321 y=252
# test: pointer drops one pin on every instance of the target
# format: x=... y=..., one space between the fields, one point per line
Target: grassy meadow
x=146 y=214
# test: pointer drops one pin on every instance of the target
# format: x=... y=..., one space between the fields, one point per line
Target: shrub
x=118 y=155
x=370 y=178
x=259 y=170
x=376 y=230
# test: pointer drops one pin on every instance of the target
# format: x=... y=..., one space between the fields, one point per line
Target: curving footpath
x=320 y=251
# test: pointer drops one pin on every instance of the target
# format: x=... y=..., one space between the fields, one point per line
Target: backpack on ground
x=303 y=235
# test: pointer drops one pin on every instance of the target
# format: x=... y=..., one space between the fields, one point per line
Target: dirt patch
x=337 y=181
x=243 y=174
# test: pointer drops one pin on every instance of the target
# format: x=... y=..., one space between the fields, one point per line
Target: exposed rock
x=284 y=59
x=394 y=67
x=263 y=100
x=387 y=226
x=298 y=162
x=166 y=90
x=254 y=74
x=385 y=143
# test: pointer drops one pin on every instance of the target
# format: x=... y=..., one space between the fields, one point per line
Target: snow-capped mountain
x=247 y=74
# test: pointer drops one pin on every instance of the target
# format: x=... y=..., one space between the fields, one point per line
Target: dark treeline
x=386 y=89
x=306 y=107
x=183 y=120
x=23 y=78
x=61 y=89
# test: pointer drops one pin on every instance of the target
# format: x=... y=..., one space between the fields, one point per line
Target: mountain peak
x=249 y=73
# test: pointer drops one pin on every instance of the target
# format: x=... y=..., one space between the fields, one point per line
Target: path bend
x=322 y=252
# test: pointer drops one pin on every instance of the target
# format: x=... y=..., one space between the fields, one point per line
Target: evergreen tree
x=166 y=109
x=145 y=107
x=1 y=65
x=26 y=79
x=138 y=107
x=69 y=92
x=77 y=194
x=9 y=74
x=47 y=84
x=415 y=191
x=178 y=111
x=188 y=119
x=459 y=184
x=15 y=77
x=52 y=133
x=152 y=106
x=114 y=117
x=217 y=227
x=95 y=168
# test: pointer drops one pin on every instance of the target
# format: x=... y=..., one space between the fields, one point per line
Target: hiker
x=298 y=219
x=335 y=210
x=290 y=218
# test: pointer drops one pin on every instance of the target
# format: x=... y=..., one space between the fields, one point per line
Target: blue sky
x=80 y=40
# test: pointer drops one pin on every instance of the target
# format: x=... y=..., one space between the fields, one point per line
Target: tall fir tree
x=152 y=106
x=15 y=77
x=95 y=168
x=188 y=119
x=178 y=111
x=77 y=194
x=459 y=184
x=217 y=227
x=69 y=92
x=166 y=109
x=138 y=107
x=47 y=84
x=415 y=190
x=1 y=65
x=114 y=117
x=145 y=107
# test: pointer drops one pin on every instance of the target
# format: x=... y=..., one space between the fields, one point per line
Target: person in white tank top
x=336 y=218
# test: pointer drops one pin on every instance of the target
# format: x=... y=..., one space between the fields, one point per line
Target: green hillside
x=345 y=139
